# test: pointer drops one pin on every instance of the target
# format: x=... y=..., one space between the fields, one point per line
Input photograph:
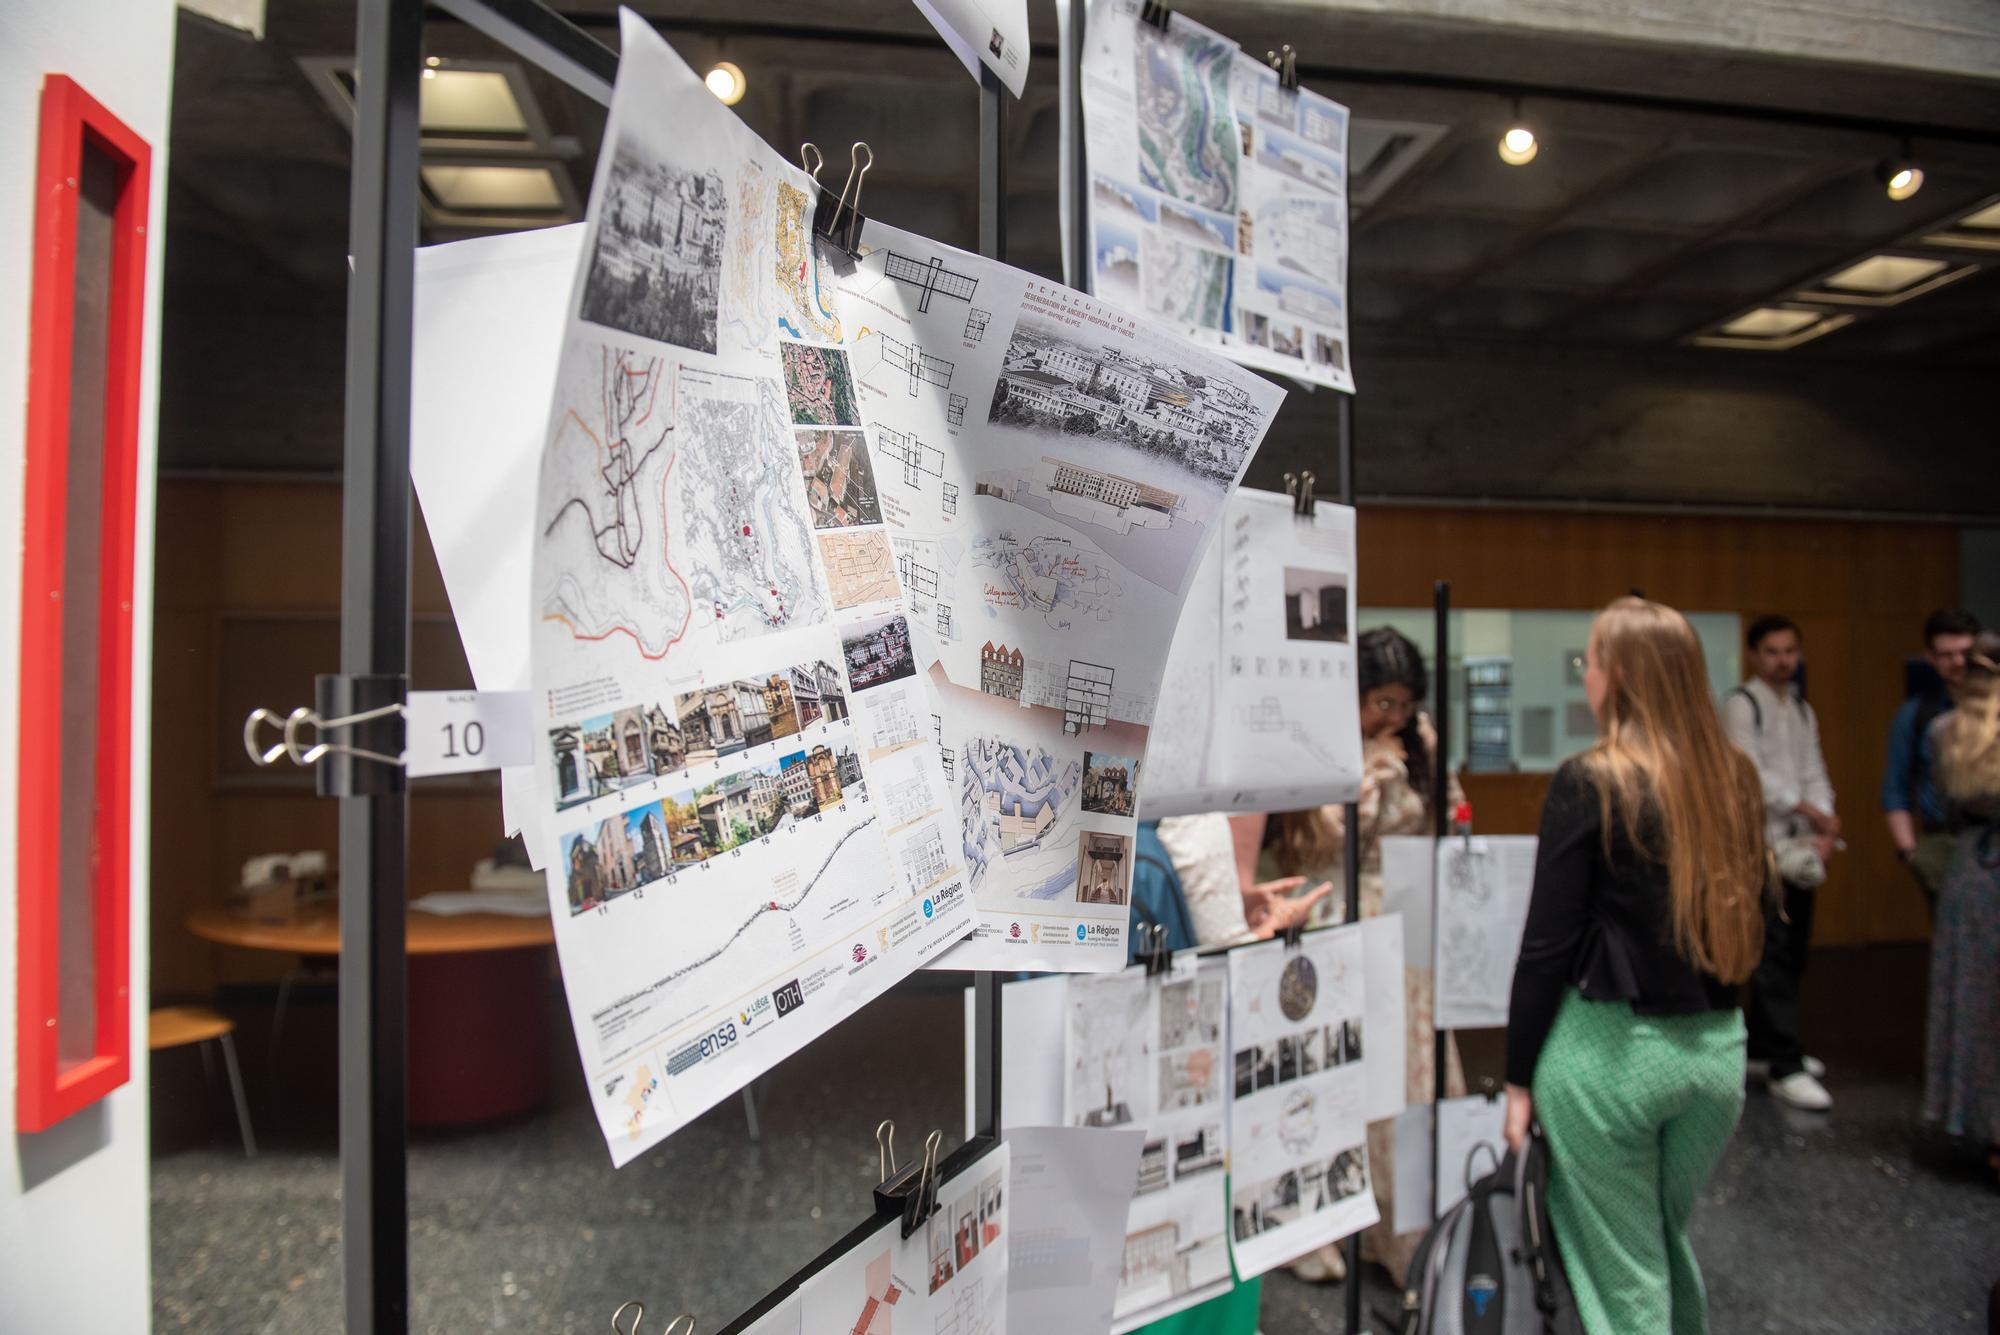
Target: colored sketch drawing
x=804 y=305
x=859 y=567
x=1188 y=146
x=603 y=476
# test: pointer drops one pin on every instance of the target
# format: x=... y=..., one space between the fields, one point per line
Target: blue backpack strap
x=1157 y=896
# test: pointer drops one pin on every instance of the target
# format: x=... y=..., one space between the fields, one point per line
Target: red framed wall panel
x=55 y=1076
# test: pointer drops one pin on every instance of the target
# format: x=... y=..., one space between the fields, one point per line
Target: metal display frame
x=373 y=679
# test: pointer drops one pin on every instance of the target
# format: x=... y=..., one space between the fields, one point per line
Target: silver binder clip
x=911 y=1191
x=1155 y=14
x=1299 y=486
x=1286 y=62
x=1153 y=952
x=837 y=222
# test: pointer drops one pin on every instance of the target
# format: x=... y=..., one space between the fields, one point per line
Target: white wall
x=73 y=1199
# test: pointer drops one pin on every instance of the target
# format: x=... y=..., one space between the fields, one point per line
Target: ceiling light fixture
x=1518 y=146
x=1901 y=177
x=727 y=82
x=1773 y=328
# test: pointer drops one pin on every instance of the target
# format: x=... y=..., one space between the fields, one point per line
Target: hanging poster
x=1305 y=1023
x=1218 y=199
x=1051 y=471
x=1260 y=683
x=1152 y=1053
x=748 y=832
x=949 y=1277
x=993 y=33
x=1070 y=1188
x=1483 y=885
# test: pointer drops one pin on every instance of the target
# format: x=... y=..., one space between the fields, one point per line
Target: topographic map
x=1184 y=283
x=803 y=308
x=1188 y=145
x=1051 y=575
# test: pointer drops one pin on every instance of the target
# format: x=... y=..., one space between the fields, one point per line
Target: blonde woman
x=1623 y=1036
x=1962 y=1057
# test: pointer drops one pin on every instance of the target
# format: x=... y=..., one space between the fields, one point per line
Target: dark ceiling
x=1672 y=191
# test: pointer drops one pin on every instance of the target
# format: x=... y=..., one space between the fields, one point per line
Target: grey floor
x=1851 y=1223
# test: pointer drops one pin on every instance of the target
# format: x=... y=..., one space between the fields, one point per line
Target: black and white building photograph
x=656 y=269
x=1315 y=605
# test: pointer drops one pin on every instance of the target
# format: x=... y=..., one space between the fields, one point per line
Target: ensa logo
x=789 y=998
x=860 y=953
x=1014 y=930
x=1079 y=931
x=929 y=908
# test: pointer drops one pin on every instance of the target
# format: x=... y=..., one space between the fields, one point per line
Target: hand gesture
x=1269 y=907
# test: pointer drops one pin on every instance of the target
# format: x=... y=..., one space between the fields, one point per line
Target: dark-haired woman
x=1398 y=759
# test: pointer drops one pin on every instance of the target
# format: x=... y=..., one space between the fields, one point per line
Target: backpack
x=1157 y=896
x=1490 y=1266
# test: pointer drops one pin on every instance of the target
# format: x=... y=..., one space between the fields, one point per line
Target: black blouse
x=1600 y=924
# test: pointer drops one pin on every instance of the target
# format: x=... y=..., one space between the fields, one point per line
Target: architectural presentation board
x=1070 y=1190
x=1483 y=886
x=1409 y=865
x=1217 y=201
x=1152 y=1052
x=747 y=831
x=992 y=33
x=1051 y=471
x=1306 y=1079
x=949 y=1277
x=1259 y=691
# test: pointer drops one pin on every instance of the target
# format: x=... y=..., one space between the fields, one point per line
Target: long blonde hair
x=1969 y=746
x=1664 y=768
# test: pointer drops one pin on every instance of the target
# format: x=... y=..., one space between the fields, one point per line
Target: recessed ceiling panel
x=1585 y=258
x=1473 y=178
x=1697 y=191
x=1735 y=271
x=1429 y=243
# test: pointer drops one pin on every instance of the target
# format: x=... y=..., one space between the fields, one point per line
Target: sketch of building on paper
x=920 y=366
x=975 y=325
x=954 y=411
x=930 y=277
x=1087 y=495
x=918 y=459
x=1086 y=696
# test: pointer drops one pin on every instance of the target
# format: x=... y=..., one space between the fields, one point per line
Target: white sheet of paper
x=1412 y=1206
x=993 y=33
x=748 y=831
x=1243 y=250
x=1470 y=1144
x=488 y=334
x=951 y=1275
x=1483 y=890
x=1031 y=1073
x=466 y=732
x=1384 y=1082
x=1260 y=683
x=1409 y=862
x=1070 y=1191
x=1303 y=1031
x=1151 y=1053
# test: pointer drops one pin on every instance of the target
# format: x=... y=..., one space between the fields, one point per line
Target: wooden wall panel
x=1859 y=591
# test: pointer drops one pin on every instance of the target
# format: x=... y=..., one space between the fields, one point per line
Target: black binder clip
x=1157 y=15
x=1293 y=935
x=1299 y=486
x=1286 y=63
x=912 y=1191
x=1152 y=951
x=837 y=221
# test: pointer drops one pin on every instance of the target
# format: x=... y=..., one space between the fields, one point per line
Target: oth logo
x=789 y=998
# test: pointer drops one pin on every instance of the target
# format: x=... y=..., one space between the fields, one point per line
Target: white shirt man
x=1778 y=730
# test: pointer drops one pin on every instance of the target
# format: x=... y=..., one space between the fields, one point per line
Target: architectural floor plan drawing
x=720 y=645
x=930 y=278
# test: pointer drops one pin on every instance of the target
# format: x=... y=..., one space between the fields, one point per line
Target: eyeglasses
x=1392 y=706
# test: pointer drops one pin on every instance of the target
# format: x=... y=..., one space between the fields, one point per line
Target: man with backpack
x=1910 y=801
x=1768 y=718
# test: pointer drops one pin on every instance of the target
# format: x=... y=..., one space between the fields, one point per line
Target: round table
x=478 y=1013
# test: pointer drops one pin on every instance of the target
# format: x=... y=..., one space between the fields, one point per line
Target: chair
x=178 y=1026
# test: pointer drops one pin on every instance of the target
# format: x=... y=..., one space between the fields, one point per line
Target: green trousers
x=1637 y=1110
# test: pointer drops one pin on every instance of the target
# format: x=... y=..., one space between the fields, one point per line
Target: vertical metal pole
x=374 y=643
x=1350 y=857
x=1079 y=166
x=993 y=245
x=1441 y=822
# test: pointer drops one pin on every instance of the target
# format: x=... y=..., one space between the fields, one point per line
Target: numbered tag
x=462 y=732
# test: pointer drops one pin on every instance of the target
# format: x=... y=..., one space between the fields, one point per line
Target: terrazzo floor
x=1850 y=1223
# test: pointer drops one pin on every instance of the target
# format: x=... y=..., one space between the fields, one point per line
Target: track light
x=727 y=82
x=1517 y=146
x=1900 y=175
